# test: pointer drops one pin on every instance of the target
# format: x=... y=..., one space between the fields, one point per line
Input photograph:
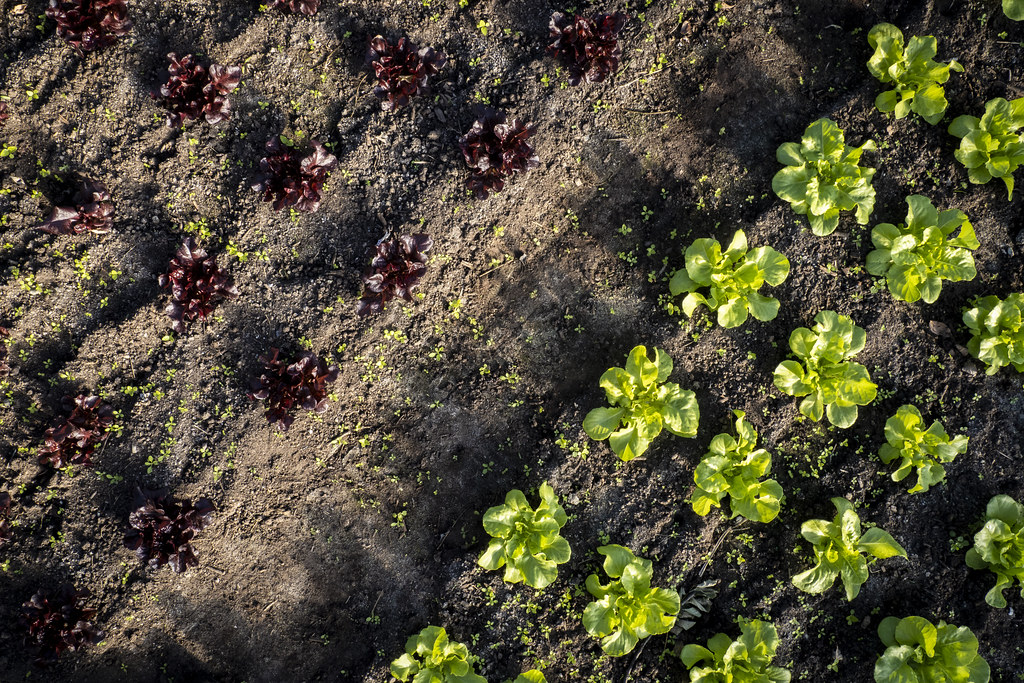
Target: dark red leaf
x=5 y=339
x=92 y=212
x=90 y=24
x=163 y=529
x=197 y=285
x=495 y=149
x=396 y=268
x=58 y=621
x=307 y=7
x=289 y=179
x=192 y=91
x=73 y=439
x=589 y=48
x=5 y=513
x=287 y=386
x=402 y=70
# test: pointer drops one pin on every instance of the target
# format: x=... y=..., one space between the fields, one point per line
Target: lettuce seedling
x=733 y=277
x=307 y=7
x=496 y=150
x=197 y=285
x=839 y=549
x=589 y=48
x=917 y=256
x=431 y=658
x=90 y=24
x=396 y=269
x=59 y=620
x=992 y=146
x=73 y=439
x=833 y=385
x=402 y=70
x=5 y=515
x=287 y=385
x=744 y=660
x=997 y=326
x=163 y=528
x=924 y=449
x=999 y=547
x=643 y=403
x=822 y=177
x=627 y=610
x=732 y=467
x=918 y=652
x=527 y=542
x=92 y=211
x=916 y=76
x=192 y=90
x=290 y=179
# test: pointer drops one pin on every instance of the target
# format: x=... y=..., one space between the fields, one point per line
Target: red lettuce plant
x=73 y=439
x=396 y=268
x=59 y=621
x=5 y=513
x=192 y=90
x=402 y=70
x=4 y=338
x=495 y=149
x=92 y=212
x=589 y=48
x=4 y=115
x=290 y=179
x=90 y=24
x=163 y=528
x=197 y=285
x=287 y=386
x=307 y=7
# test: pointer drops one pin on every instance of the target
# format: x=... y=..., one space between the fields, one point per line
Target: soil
x=336 y=541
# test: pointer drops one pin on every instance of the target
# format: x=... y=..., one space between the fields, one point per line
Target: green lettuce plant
x=997 y=326
x=831 y=383
x=822 y=177
x=733 y=467
x=916 y=77
x=918 y=652
x=917 y=256
x=839 y=550
x=627 y=609
x=531 y=676
x=744 y=660
x=642 y=404
x=999 y=547
x=925 y=450
x=733 y=278
x=431 y=658
x=1014 y=9
x=992 y=146
x=526 y=541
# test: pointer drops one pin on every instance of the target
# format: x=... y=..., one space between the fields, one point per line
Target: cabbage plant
x=832 y=384
x=732 y=467
x=642 y=404
x=526 y=541
x=627 y=609
x=823 y=176
x=839 y=550
x=732 y=279
x=916 y=78
x=744 y=660
x=997 y=326
x=917 y=256
x=999 y=547
x=431 y=658
x=992 y=146
x=916 y=651
x=917 y=448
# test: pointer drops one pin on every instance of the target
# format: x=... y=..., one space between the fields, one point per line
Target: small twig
x=649 y=113
x=646 y=75
x=500 y=265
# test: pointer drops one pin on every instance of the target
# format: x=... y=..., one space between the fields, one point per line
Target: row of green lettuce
x=822 y=178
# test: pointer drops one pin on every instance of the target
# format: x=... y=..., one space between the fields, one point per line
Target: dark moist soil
x=333 y=543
